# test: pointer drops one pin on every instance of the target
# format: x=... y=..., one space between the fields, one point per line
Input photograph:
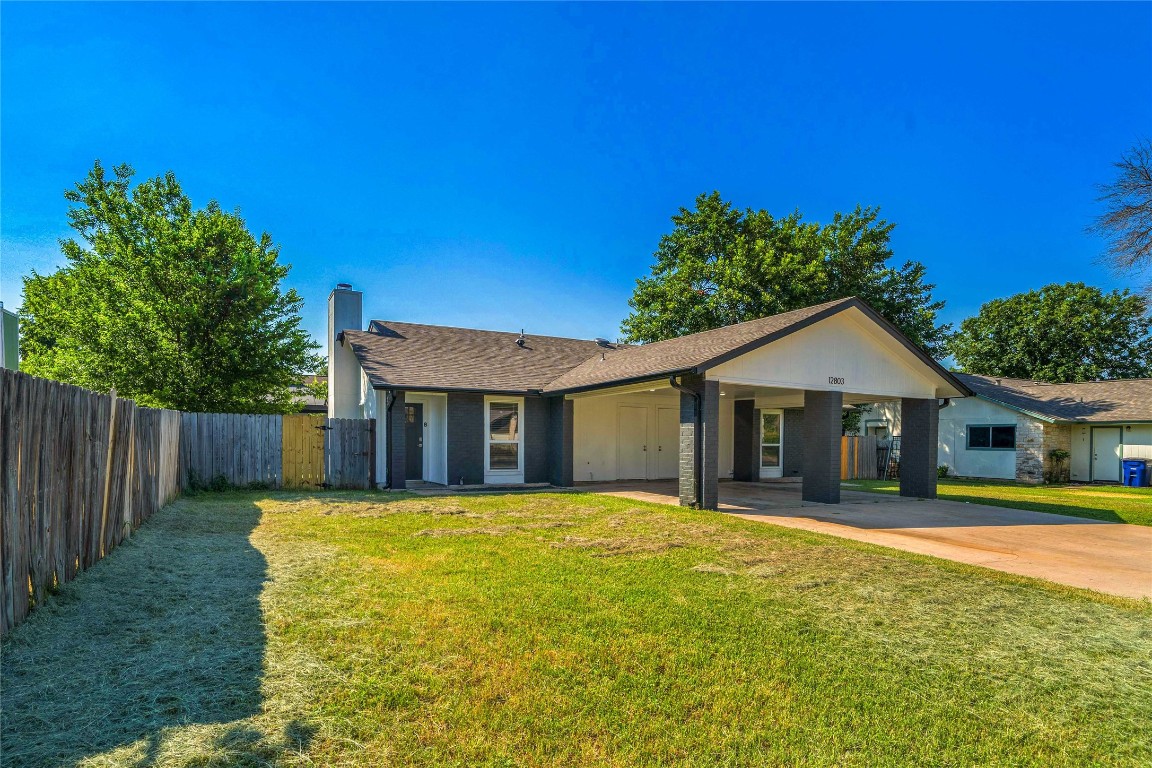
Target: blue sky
x=514 y=165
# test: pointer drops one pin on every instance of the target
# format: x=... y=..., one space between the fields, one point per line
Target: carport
x=754 y=402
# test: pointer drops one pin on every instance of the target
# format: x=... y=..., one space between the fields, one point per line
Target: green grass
x=566 y=629
x=1115 y=503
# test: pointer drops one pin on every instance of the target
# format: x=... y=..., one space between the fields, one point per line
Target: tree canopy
x=172 y=306
x=721 y=265
x=1060 y=333
x=1126 y=222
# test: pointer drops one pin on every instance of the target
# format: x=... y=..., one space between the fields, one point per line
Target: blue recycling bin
x=1136 y=473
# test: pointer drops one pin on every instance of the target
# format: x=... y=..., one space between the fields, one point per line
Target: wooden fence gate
x=349 y=458
x=303 y=451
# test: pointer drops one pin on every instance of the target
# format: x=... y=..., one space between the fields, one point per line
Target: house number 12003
x=836 y=381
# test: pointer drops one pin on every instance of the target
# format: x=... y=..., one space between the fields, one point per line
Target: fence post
x=108 y=470
x=129 y=476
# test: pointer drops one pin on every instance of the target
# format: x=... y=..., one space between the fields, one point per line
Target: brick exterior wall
x=466 y=444
x=535 y=440
x=793 y=458
x=560 y=440
x=822 y=425
x=745 y=451
x=919 y=447
x=397 y=455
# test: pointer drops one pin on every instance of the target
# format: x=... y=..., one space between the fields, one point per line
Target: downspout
x=697 y=437
x=388 y=437
x=947 y=402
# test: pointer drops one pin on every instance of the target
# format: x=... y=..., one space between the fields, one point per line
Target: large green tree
x=721 y=265
x=172 y=306
x=1060 y=333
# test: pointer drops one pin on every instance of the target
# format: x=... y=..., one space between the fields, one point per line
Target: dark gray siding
x=466 y=443
x=535 y=440
x=560 y=431
x=745 y=450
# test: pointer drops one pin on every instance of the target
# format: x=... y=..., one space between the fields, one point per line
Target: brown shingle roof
x=414 y=356
x=1088 y=401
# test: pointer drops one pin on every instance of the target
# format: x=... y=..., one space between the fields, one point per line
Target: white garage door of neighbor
x=1106 y=454
x=667 y=443
x=632 y=443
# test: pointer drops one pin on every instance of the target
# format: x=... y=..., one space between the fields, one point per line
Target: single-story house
x=756 y=400
x=1008 y=429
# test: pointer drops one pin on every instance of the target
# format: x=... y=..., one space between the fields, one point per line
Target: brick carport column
x=919 y=446
x=823 y=425
x=699 y=434
x=397 y=468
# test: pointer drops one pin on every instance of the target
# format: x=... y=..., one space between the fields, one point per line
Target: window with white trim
x=992 y=437
x=504 y=435
x=769 y=439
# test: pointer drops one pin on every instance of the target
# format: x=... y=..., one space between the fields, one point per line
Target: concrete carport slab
x=1113 y=558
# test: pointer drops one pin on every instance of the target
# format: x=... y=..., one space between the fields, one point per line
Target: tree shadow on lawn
x=166 y=632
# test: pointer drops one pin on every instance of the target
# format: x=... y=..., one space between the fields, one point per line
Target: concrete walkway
x=1107 y=557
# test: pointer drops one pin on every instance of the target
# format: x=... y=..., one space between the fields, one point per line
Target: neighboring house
x=9 y=339
x=312 y=404
x=756 y=400
x=1011 y=425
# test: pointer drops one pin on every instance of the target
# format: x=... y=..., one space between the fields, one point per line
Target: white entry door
x=1106 y=454
x=667 y=443
x=771 y=443
x=632 y=443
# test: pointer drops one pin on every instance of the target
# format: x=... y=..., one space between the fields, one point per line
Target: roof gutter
x=698 y=440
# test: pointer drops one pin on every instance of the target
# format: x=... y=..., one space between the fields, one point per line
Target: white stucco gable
x=848 y=352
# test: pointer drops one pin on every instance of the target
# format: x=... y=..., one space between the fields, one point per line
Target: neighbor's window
x=503 y=435
x=992 y=437
x=769 y=439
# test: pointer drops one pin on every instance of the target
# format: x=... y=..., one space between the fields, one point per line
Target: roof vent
x=343 y=286
x=520 y=341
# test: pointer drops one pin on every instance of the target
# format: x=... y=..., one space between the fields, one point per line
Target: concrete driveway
x=1115 y=558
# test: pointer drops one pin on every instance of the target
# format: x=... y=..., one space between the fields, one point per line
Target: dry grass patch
x=359 y=629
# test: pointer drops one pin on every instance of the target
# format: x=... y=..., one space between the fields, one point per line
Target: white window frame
x=778 y=470
x=503 y=476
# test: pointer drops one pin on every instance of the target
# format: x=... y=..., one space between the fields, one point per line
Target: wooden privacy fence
x=859 y=457
x=79 y=471
x=292 y=451
x=242 y=449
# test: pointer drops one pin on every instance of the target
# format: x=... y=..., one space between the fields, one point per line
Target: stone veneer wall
x=1057 y=436
x=1034 y=439
x=1029 y=450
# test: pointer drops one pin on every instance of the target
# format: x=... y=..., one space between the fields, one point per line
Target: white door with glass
x=504 y=459
x=632 y=443
x=771 y=443
x=1106 y=454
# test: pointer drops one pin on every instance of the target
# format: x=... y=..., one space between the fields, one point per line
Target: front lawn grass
x=1115 y=503
x=362 y=629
